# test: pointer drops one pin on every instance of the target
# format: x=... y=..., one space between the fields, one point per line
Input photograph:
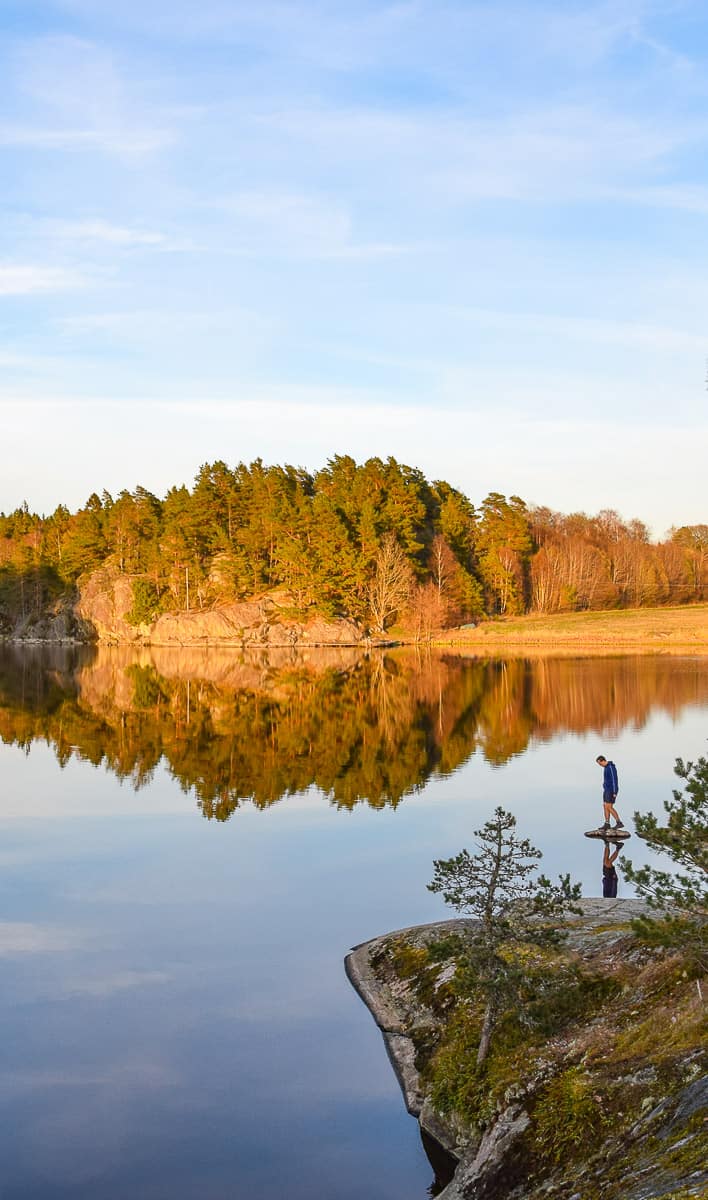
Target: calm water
x=189 y=846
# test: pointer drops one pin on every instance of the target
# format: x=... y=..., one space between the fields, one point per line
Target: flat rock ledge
x=489 y=1163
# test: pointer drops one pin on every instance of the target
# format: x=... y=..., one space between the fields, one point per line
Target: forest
x=375 y=542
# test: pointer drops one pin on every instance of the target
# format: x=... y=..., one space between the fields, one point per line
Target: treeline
x=376 y=542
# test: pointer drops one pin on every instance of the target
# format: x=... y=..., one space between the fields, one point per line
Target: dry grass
x=658 y=630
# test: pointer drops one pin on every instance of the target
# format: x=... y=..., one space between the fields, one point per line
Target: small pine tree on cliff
x=680 y=896
x=513 y=909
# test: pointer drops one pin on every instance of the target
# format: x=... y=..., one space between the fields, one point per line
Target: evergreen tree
x=335 y=571
x=681 y=895
x=512 y=912
x=504 y=551
x=84 y=544
x=215 y=501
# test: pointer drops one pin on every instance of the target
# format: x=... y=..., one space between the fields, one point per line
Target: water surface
x=191 y=843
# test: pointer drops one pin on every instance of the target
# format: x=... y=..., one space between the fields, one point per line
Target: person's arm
x=614 y=788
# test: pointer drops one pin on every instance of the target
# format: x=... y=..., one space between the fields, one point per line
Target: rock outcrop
x=637 y=1063
x=56 y=623
x=100 y=612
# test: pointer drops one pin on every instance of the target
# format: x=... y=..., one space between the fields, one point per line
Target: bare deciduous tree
x=391 y=584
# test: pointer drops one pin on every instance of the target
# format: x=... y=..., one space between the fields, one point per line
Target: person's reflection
x=609 y=873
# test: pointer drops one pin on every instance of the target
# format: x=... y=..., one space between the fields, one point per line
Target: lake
x=192 y=841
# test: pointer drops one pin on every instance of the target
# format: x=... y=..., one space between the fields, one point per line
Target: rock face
x=642 y=1067
x=98 y=612
x=56 y=623
x=106 y=598
x=103 y=602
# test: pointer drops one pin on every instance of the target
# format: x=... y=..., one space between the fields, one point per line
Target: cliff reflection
x=361 y=728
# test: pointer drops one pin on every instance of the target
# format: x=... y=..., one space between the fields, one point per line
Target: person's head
x=601 y=760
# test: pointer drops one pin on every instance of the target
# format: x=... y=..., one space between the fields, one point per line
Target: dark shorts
x=609 y=883
x=608 y=798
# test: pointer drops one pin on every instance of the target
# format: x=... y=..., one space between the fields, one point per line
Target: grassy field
x=660 y=630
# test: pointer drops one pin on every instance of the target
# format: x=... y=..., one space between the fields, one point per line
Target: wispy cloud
x=589 y=329
x=24 y=937
x=299 y=224
x=81 y=100
x=117 y=981
x=101 y=231
x=148 y=326
x=446 y=204
x=549 y=153
x=685 y=197
x=426 y=33
x=124 y=142
x=29 y=279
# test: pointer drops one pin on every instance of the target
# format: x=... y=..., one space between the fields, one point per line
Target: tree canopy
x=335 y=540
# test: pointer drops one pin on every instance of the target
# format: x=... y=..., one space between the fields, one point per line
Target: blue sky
x=469 y=235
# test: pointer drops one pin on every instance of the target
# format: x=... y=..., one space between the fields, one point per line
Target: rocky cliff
x=611 y=1101
x=99 y=609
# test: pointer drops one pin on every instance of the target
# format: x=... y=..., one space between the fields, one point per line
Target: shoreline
x=491 y=647
x=645 y=631
x=494 y=1157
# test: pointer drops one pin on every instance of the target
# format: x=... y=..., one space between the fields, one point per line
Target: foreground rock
x=613 y=1102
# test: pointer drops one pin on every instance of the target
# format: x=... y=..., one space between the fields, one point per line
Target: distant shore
x=101 y=611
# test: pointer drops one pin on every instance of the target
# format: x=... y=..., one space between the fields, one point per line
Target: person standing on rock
x=610 y=788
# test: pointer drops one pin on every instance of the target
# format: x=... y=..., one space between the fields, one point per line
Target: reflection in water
x=369 y=728
x=610 y=855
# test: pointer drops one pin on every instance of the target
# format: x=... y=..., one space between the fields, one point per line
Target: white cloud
x=27 y=280
x=13 y=362
x=187 y=333
x=555 y=153
x=436 y=36
x=683 y=197
x=590 y=329
x=82 y=100
x=122 y=142
x=24 y=937
x=104 y=231
x=118 y=981
x=264 y=223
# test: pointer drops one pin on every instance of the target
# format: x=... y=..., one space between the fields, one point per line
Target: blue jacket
x=610 y=782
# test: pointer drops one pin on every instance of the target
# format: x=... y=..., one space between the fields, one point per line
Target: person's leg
x=607 y=807
x=613 y=813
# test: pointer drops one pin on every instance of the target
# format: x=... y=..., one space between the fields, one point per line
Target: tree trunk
x=486 y=1036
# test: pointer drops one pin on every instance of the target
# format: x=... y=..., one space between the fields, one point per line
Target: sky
x=468 y=235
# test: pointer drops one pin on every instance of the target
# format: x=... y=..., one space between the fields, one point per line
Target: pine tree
x=512 y=912
x=681 y=896
x=504 y=549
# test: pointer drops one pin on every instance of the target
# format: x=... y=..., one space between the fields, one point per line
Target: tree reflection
x=361 y=728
